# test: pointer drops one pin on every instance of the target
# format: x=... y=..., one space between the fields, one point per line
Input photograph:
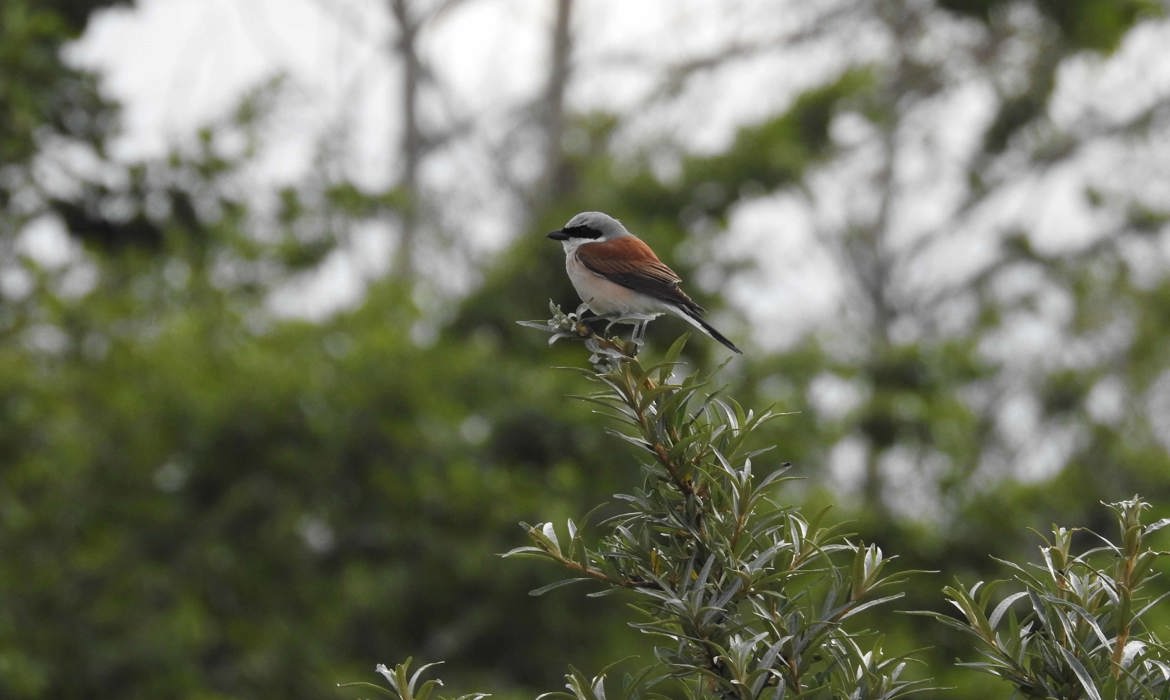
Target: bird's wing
x=632 y=264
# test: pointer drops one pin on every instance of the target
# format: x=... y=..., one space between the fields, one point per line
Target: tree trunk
x=411 y=142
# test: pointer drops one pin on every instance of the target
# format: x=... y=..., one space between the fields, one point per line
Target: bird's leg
x=639 y=334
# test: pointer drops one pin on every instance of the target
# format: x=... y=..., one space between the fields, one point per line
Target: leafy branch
x=748 y=597
x=1076 y=625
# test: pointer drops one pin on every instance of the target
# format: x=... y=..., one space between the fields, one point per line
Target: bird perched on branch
x=619 y=277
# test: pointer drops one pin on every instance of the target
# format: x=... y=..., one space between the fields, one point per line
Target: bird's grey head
x=590 y=226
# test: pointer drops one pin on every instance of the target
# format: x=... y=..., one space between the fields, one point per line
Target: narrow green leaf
x=1082 y=674
x=997 y=613
x=414 y=678
x=536 y=592
x=526 y=549
x=872 y=603
x=1155 y=526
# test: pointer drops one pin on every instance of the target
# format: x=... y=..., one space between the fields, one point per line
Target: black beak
x=559 y=235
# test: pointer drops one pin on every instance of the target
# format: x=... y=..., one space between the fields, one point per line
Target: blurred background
x=266 y=418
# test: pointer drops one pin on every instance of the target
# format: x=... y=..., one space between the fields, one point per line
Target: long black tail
x=693 y=317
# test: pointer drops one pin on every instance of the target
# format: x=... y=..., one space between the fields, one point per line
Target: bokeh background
x=266 y=418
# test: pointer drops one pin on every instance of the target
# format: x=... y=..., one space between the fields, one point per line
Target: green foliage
x=1085 y=632
x=1085 y=24
x=306 y=478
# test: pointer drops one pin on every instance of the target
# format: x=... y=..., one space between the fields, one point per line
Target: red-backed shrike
x=616 y=274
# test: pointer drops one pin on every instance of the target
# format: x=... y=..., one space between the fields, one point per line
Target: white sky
x=176 y=64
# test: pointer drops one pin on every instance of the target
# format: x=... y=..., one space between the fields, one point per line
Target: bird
x=618 y=276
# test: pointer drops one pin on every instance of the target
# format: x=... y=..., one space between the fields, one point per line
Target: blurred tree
x=41 y=97
x=42 y=102
x=202 y=499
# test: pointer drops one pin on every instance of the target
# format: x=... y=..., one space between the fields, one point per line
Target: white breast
x=602 y=296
